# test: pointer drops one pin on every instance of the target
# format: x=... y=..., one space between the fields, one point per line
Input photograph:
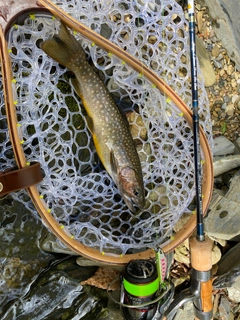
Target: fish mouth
x=133 y=205
x=129 y=202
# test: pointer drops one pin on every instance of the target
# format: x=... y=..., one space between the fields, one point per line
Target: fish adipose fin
x=63 y=47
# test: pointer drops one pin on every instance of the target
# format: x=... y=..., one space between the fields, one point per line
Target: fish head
x=131 y=188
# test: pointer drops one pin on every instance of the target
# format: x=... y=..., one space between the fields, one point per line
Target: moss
x=78 y=122
x=31 y=130
x=72 y=104
x=64 y=87
x=50 y=97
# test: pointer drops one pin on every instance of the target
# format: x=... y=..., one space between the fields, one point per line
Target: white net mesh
x=53 y=130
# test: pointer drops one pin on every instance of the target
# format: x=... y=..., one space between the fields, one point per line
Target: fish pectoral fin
x=90 y=124
x=113 y=163
x=77 y=87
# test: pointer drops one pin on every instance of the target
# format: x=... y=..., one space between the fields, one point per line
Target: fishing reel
x=142 y=295
x=145 y=294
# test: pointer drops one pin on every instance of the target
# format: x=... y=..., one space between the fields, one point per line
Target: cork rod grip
x=201 y=254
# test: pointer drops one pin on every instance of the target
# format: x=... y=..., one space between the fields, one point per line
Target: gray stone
x=223 y=220
x=233 y=192
x=230 y=260
x=84 y=262
x=114 y=308
x=228 y=279
x=234 y=292
x=226 y=25
x=222 y=146
x=224 y=308
x=49 y=243
x=216 y=197
x=225 y=164
x=238 y=142
x=205 y=63
x=186 y=312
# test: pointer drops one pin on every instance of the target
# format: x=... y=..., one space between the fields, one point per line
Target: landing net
x=77 y=190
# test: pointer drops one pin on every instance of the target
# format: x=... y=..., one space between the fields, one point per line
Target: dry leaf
x=102 y=279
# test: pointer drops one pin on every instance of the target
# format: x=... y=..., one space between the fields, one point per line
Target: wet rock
x=28 y=292
x=222 y=146
x=20 y=257
x=57 y=294
x=114 y=312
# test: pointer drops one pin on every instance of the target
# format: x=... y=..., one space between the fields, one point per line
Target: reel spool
x=140 y=285
x=107 y=234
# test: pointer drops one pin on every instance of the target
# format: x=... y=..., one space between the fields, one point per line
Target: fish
x=107 y=123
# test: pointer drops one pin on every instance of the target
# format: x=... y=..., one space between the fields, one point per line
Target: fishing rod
x=195 y=117
x=200 y=291
x=200 y=247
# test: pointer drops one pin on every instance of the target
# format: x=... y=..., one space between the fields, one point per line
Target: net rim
x=38 y=202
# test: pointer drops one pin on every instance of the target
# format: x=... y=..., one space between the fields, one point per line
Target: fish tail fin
x=63 y=47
